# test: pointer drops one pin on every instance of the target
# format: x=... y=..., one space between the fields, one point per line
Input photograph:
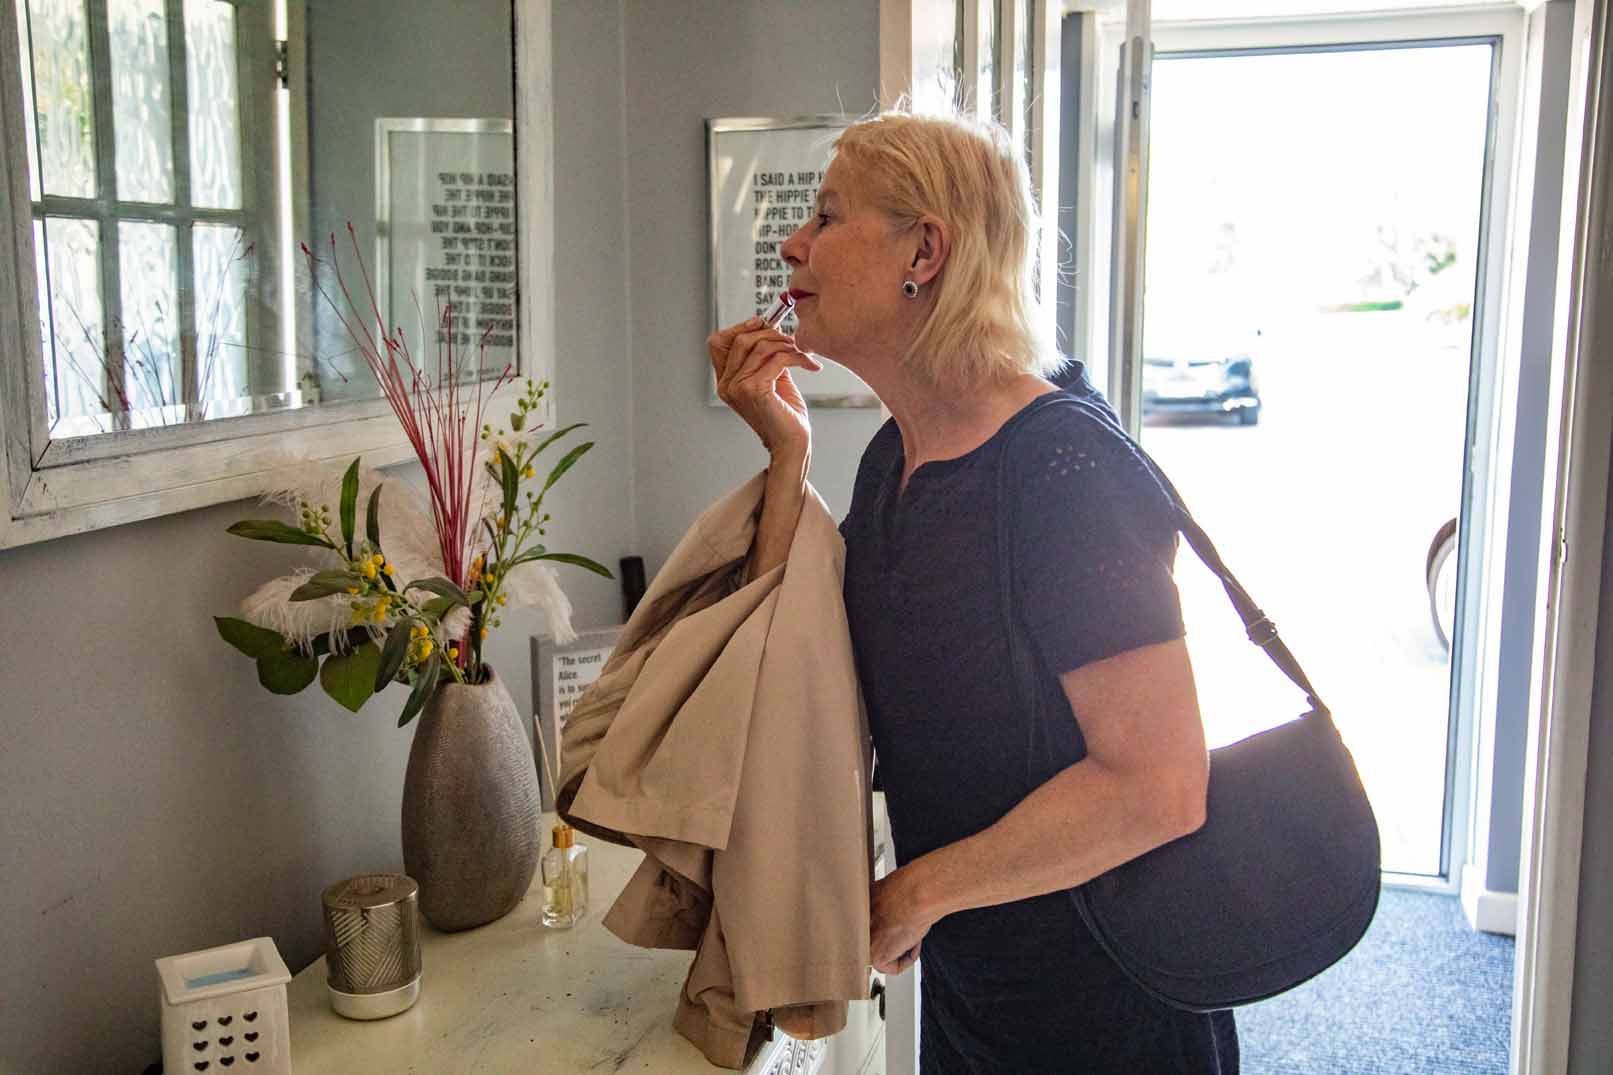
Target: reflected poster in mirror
x=445 y=236
x=764 y=176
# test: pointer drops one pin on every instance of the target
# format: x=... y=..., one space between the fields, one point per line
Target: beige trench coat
x=726 y=738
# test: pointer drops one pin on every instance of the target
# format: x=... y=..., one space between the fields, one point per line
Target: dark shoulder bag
x=1282 y=880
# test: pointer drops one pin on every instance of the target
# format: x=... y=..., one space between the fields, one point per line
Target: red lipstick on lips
x=781 y=309
x=786 y=303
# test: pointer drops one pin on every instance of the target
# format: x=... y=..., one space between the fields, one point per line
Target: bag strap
x=1261 y=631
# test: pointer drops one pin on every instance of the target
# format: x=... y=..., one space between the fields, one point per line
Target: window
x=144 y=213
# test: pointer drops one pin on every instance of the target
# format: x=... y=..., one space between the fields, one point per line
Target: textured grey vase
x=470 y=807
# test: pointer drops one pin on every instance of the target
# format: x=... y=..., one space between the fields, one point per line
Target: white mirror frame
x=52 y=488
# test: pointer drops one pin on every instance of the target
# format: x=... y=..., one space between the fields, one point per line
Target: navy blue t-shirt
x=1094 y=547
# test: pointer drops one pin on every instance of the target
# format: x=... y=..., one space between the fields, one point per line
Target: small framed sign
x=764 y=175
x=445 y=235
x=561 y=672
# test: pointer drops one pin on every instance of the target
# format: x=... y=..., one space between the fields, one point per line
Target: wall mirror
x=171 y=165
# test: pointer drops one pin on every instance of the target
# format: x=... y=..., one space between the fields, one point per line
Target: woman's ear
x=934 y=243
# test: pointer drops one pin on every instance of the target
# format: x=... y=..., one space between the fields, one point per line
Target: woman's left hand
x=897 y=925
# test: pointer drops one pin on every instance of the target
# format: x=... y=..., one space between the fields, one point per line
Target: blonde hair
x=985 y=323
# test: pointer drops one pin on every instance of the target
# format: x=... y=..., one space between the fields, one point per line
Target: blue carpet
x=1422 y=994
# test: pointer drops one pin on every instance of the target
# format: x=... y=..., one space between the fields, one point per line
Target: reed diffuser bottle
x=565 y=880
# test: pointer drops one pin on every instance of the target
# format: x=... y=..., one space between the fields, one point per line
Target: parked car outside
x=1199 y=372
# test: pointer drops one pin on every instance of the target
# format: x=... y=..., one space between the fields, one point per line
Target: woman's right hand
x=753 y=364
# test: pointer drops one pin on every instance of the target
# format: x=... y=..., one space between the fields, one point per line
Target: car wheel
x=1439 y=570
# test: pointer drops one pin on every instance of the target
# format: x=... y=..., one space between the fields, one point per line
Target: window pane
x=26 y=61
x=141 y=103
x=42 y=282
x=64 y=101
x=215 y=126
x=76 y=361
x=148 y=268
x=221 y=255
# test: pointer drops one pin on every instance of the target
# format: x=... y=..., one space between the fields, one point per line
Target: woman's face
x=852 y=267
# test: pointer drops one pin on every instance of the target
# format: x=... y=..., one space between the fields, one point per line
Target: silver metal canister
x=372 y=945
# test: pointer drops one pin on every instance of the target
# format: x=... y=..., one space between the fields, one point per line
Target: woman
x=917 y=271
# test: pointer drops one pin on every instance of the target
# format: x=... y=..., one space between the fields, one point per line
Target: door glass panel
x=77 y=359
x=215 y=131
x=221 y=297
x=1306 y=353
x=142 y=111
x=63 y=97
x=147 y=269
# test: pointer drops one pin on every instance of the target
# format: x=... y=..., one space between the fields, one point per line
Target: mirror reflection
x=182 y=152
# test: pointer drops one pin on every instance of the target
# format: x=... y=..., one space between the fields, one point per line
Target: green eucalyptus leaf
x=323 y=585
x=440 y=586
x=350 y=677
x=393 y=653
x=526 y=556
x=372 y=518
x=509 y=481
x=565 y=464
x=249 y=638
x=577 y=561
x=274 y=530
x=349 y=504
x=556 y=435
x=355 y=636
x=286 y=672
x=425 y=685
x=439 y=607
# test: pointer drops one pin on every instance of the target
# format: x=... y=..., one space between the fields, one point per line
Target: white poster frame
x=737 y=150
x=421 y=337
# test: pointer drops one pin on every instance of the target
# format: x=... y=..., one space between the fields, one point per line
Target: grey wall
x=153 y=798
x=762 y=58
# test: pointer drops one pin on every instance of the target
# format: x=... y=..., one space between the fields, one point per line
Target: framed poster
x=764 y=175
x=445 y=236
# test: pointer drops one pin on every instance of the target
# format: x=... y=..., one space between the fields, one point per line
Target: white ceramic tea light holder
x=224 y=1011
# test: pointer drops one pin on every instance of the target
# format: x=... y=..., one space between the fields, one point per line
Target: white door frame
x=1504 y=23
x=1569 y=590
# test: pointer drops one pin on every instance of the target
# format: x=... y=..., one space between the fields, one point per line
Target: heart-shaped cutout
x=198 y=1045
x=224 y=1020
x=251 y=1035
x=252 y=1058
x=249 y=1016
x=201 y=1065
x=225 y=1040
x=200 y=1025
x=226 y=1061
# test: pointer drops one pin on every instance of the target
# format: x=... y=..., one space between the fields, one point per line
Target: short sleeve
x=1095 y=542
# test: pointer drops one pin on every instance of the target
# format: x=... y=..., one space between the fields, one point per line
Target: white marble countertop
x=514 y=996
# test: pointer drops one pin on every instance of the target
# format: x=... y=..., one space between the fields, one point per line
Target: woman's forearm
x=781 y=510
x=1084 y=821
